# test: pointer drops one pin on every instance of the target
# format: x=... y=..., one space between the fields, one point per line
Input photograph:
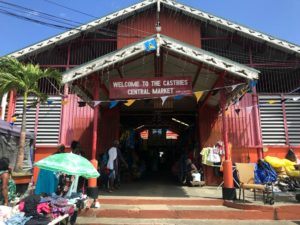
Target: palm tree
x=24 y=79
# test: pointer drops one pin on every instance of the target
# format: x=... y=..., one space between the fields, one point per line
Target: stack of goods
x=288 y=174
x=37 y=210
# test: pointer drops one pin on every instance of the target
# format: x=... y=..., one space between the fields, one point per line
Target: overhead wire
x=61 y=23
x=67 y=24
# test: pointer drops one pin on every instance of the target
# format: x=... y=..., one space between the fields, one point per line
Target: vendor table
x=60 y=219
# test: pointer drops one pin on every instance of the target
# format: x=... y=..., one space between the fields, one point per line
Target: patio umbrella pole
x=228 y=190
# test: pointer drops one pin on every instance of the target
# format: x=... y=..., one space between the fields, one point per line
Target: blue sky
x=279 y=18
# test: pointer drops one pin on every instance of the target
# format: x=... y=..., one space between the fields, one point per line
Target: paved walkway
x=150 y=189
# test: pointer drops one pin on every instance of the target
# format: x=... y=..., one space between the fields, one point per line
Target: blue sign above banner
x=150 y=45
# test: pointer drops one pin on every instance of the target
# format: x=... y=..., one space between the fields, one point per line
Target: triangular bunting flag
x=233 y=87
x=249 y=109
x=214 y=92
x=296 y=99
x=237 y=111
x=49 y=101
x=198 y=95
x=163 y=99
x=11 y=123
x=129 y=102
x=16 y=115
x=271 y=101
x=252 y=83
x=113 y=104
x=178 y=97
x=96 y=103
x=14 y=119
x=64 y=102
x=81 y=104
x=283 y=100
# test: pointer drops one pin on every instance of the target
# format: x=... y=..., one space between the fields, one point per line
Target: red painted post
x=257 y=124
x=63 y=119
x=286 y=131
x=227 y=164
x=92 y=183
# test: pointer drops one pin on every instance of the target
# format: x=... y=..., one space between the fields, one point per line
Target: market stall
x=9 y=142
x=62 y=201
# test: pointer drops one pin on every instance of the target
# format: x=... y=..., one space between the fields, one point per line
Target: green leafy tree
x=24 y=79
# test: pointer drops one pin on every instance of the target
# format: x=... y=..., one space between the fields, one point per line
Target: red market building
x=166 y=40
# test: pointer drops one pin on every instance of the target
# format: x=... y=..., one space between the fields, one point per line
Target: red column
x=257 y=124
x=227 y=164
x=93 y=182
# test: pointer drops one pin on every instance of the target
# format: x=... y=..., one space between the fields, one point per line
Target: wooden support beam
x=218 y=83
x=120 y=73
x=197 y=75
x=105 y=89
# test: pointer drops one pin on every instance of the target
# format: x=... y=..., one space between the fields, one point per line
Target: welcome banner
x=134 y=88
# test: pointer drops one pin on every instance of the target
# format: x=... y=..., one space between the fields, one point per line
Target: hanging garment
x=204 y=153
x=214 y=155
x=46 y=183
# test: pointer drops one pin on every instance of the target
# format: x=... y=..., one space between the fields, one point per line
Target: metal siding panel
x=293 y=119
x=272 y=121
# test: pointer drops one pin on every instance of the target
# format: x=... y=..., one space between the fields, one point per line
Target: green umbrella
x=70 y=164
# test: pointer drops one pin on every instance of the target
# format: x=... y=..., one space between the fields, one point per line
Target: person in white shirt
x=112 y=156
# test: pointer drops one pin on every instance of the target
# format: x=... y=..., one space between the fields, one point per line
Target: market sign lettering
x=133 y=88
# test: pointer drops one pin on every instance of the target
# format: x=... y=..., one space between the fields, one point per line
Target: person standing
x=7 y=185
x=112 y=156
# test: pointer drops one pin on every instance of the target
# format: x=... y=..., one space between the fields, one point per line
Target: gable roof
x=121 y=14
x=168 y=43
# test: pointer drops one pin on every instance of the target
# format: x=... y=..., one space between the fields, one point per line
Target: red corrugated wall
x=174 y=25
x=242 y=130
x=109 y=129
x=77 y=123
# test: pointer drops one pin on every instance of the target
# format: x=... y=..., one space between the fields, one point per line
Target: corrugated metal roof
x=113 y=17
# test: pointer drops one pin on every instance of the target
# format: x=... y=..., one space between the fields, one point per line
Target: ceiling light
x=178 y=121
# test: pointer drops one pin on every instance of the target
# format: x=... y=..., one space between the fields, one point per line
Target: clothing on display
x=211 y=155
x=47 y=182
